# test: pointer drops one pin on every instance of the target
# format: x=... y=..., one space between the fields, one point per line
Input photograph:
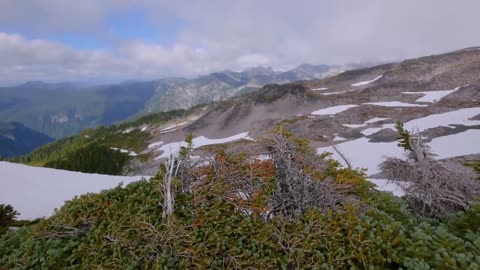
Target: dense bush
x=215 y=226
x=7 y=217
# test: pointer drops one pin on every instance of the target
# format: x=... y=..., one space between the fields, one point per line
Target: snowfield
x=395 y=104
x=35 y=192
x=463 y=143
x=366 y=82
x=432 y=96
x=361 y=153
x=333 y=110
x=172 y=149
x=375 y=119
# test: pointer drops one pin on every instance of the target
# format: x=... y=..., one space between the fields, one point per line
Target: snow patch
x=130 y=153
x=128 y=130
x=354 y=125
x=172 y=149
x=458 y=117
x=376 y=119
x=336 y=93
x=155 y=144
x=35 y=192
x=395 y=104
x=432 y=96
x=388 y=186
x=367 y=82
x=333 y=110
x=364 y=154
x=320 y=89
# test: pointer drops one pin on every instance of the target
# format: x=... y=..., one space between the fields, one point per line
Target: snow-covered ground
x=375 y=119
x=354 y=125
x=458 y=117
x=320 y=89
x=366 y=82
x=172 y=149
x=361 y=153
x=463 y=143
x=395 y=104
x=35 y=192
x=333 y=110
x=389 y=186
x=130 y=153
x=364 y=154
x=432 y=96
x=336 y=93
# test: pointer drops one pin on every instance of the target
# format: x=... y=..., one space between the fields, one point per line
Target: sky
x=115 y=40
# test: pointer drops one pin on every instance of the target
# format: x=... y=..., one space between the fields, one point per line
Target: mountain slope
x=356 y=109
x=16 y=139
x=357 y=106
x=63 y=109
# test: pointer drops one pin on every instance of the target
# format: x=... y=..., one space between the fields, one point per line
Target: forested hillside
x=102 y=150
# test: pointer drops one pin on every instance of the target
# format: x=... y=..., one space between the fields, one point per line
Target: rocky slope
x=222 y=85
x=438 y=94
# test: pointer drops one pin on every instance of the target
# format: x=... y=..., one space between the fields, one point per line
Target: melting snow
x=366 y=82
x=338 y=138
x=354 y=125
x=363 y=154
x=458 y=117
x=128 y=130
x=464 y=143
x=388 y=186
x=320 y=89
x=335 y=93
x=376 y=119
x=370 y=131
x=432 y=96
x=460 y=144
x=152 y=145
x=172 y=149
x=35 y=192
x=395 y=104
x=333 y=110
x=130 y=153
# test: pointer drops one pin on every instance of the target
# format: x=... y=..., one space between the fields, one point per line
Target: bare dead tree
x=172 y=166
x=171 y=169
x=296 y=190
x=349 y=165
x=431 y=188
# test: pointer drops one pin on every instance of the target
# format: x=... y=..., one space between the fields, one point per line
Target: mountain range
x=355 y=111
x=58 y=110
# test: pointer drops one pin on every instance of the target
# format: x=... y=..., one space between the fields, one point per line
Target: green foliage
x=403 y=136
x=124 y=230
x=92 y=150
x=475 y=165
x=185 y=150
x=7 y=217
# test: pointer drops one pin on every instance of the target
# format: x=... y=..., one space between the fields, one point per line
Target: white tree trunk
x=168 y=198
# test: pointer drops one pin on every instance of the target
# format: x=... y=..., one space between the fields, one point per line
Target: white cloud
x=215 y=35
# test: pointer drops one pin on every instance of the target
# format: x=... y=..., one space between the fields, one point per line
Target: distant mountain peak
x=260 y=70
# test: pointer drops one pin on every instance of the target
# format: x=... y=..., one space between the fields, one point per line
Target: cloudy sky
x=113 y=40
